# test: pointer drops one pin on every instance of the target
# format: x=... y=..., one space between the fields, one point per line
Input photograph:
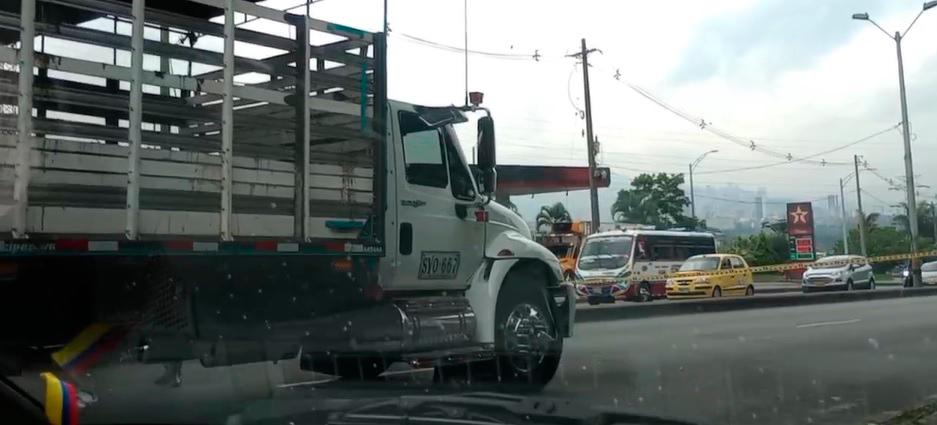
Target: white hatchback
x=839 y=272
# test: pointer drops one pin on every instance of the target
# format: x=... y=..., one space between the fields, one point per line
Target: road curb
x=665 y=308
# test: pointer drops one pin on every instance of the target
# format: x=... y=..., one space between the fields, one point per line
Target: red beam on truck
x=532 y=179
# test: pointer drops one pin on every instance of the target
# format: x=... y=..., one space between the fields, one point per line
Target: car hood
x=825 y=271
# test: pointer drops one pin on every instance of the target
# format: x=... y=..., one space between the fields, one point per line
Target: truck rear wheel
x=527 y=348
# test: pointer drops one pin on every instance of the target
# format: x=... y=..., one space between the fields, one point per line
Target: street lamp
x=692 y=196
x=905 y=132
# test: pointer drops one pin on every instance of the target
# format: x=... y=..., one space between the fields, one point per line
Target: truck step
x=459 y=355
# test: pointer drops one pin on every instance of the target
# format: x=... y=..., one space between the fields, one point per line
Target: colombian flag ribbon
x=61 y=401
x=82 y=352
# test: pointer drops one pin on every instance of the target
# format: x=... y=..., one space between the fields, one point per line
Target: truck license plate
x=437 y=265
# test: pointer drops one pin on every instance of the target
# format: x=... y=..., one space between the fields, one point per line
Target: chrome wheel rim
x=528 y=335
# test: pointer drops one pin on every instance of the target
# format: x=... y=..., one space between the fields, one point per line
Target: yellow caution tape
x=641 y=277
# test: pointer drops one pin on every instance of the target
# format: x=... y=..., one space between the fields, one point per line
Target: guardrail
x=710 y=305
x=646 y=277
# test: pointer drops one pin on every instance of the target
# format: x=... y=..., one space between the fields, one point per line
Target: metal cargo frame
x=132 y=153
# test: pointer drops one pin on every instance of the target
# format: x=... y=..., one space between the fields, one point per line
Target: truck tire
x=522 y=306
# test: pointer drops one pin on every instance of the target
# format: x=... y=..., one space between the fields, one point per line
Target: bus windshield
x=560 y=251
x=606 y=253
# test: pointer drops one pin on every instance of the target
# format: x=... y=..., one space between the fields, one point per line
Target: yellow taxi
x=711 y=275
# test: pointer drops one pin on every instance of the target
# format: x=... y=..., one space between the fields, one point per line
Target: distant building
x=759 y=213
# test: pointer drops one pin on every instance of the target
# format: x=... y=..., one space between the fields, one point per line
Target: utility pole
x=593 y=191
x=842 y=205
x=933 y=210
x=862 y=246
x=465 y=28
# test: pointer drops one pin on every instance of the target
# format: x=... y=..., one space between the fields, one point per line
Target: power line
x=874 y=197
x=569 y=92
x=750 y=144
x=535 y=56
x=758 y=167
x=701 y=122
x=716 y=198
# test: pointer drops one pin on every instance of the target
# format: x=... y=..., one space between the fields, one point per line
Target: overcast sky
x=795 y=76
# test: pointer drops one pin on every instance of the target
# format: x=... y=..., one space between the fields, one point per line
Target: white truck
x=228 y=218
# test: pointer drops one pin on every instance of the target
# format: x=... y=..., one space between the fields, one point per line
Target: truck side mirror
x=486 y=143
x=486 y=155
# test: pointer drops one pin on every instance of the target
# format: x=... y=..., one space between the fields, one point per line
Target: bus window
x=661 y=252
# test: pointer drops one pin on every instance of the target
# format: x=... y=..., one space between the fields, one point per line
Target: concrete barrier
x=709 y=305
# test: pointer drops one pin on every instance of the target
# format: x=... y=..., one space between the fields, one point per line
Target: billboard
x=800 y=231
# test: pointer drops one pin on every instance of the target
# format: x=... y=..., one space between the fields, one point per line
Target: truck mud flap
x=562 y=303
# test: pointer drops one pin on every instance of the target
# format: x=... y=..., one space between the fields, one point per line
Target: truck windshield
x=606 y=253
x=700 y=264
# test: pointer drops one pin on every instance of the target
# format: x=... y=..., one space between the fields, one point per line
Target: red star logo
x=799 y=216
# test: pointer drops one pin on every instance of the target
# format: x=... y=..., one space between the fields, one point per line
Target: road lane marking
x=305 y=383
x=833 y=323
x=408 y=371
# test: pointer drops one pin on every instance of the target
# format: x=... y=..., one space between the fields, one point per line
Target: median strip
x=670 y=308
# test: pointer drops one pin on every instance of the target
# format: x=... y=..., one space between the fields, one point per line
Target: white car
x=839 y=272
x=929 y=273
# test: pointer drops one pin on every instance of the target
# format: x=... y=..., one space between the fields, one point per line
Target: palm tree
x=925 y=218
x=550 y=214
x=871 y=221
x=633 y=207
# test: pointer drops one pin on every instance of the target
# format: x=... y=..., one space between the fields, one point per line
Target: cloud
x=756 y=44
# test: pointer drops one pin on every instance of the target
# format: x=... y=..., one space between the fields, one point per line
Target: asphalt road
x=827 y=363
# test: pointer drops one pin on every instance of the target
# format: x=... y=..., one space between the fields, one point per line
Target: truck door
x=440 y=243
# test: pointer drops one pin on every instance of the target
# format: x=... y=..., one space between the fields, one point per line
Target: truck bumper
x=563 y=306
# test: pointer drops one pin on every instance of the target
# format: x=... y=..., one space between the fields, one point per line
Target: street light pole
x=862 y=245
x=908 y=166
x=906 y=133
x=842 y=204
x=692 y=194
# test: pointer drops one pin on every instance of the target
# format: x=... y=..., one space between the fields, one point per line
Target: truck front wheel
x=527 y=348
